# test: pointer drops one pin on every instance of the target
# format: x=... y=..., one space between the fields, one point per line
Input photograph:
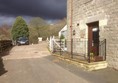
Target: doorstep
x=87 y=66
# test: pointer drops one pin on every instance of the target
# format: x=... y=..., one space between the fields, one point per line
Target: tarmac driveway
x=30 y=64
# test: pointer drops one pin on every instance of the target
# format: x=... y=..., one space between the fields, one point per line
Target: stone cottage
x=91 y=23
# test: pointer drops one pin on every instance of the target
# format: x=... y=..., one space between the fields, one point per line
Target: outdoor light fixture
x=95 y=29
x=77 y=24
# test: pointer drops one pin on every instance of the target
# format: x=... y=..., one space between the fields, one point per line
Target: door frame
x=91 y=44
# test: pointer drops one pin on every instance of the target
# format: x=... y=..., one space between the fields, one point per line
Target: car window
x=22 y=39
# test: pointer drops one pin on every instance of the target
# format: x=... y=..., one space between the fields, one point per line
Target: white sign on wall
x=103 y=22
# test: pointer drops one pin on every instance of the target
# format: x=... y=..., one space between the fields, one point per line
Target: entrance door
x=93 y=38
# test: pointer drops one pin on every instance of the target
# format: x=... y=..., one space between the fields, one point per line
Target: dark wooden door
x=93 y=38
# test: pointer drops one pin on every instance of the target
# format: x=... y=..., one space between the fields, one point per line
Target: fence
x=56 y=44
x=4 y=44
x=79 y=49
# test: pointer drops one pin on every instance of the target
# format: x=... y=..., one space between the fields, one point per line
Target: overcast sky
x=47 y=9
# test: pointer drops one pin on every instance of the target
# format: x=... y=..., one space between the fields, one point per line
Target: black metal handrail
x=102 y=49
x=101 y=56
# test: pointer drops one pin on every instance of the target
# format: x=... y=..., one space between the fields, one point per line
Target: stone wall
x=87 y=11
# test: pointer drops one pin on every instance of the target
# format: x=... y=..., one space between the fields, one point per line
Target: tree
x=37 y=27
x=40 y=28
x=5 y=32
x=56 y=27
x=33 y=37
x=62 y=36
x=19 y=29
x=37 y=23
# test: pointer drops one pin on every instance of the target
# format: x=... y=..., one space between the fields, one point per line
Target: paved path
x=30 y=64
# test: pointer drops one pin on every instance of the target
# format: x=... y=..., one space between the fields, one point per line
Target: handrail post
x=71 y=48
x=88 y=53
x=105 y=49
x=60 y=46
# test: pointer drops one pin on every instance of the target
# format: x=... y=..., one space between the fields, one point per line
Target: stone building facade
x=103 y=14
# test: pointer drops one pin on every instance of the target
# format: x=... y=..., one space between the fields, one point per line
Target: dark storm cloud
x=48 y=9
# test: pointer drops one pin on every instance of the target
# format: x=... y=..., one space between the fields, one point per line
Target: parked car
x=23 y=41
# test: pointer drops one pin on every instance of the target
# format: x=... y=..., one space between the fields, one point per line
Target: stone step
x=84 y=64
x=96 y=65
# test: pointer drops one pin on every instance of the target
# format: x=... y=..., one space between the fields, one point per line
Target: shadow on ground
x=2 y=69
x=4 y=53
x=107 y=75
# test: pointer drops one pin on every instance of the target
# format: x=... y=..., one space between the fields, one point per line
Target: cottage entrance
x=93 y=38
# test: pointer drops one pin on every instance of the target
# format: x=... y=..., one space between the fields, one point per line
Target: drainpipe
x=71 y=26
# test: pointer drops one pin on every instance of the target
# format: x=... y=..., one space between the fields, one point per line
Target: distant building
x=40 y=39
x=94 y=24
x=63 y=32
